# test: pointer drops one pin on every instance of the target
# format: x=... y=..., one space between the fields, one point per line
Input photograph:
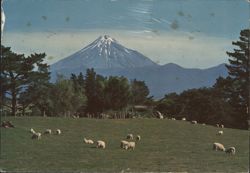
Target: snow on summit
x=105 y=52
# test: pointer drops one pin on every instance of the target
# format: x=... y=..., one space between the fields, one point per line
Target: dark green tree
x=201 y=105
x=94 y=88
x=66 y=100
x=39 y=97
x=239 y=71
x=169 y=105
x=117 y=93
x=139 y=92
x=20 y=72
x=79 y=86
x=78 y=80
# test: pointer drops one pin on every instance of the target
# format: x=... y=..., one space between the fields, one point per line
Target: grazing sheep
x=231 y=150
x=129 y=145
x=183 y=119
x=203 y=124
x=123 y=144
x=217 y=125
x=74 y=117
x=48 y=131
x=138 y=137
x=101 y=144
x=32 y=131
x=194 y=122
x=220 y=132
x=159 y=115
x=130 y=136
x=36 y=136
x=88 y=141
x=222 y=126
x=218 y=147
x=58 y=131
x=173 y=119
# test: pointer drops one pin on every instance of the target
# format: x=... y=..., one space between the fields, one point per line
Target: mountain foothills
x=109 y=58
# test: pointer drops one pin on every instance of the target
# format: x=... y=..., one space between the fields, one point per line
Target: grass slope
x=165 y=146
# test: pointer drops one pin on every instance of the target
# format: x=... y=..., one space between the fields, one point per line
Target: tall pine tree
x=94 y=88
x=18 y=73
x=238 y=70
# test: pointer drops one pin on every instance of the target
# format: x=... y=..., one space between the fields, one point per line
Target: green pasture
x=166 y=145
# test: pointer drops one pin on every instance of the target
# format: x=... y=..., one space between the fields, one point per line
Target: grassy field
x=165 y=146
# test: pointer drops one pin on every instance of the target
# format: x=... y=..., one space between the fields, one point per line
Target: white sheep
x=220 y=132
x=217 y=125
x=218 y=147
x=101 y=144
x=138 y=137
x=194 y=122
x=58 y=131
x=160 y=116
x=48 y=131
x=32 y=131
x=36 y=136
x=183 y=119
x=203 y=124
x=130 y=136
x=123 y=144
x=88 y=141
x=129 y=145
x=173 y=119
x=231 y=150
x=222 y=126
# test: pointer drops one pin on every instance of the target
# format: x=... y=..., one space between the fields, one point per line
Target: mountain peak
x=106 y=52
x=106 y=39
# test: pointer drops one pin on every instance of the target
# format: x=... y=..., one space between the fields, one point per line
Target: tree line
x=26 y=89
x=227 y=101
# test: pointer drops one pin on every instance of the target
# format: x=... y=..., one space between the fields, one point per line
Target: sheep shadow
x=93 y=147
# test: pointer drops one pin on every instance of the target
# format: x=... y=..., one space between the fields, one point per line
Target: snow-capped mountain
x=109 y=58
x=104 y=52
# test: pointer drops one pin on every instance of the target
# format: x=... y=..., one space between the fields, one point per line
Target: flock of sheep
x=124 y=144
x=220 y=147
x=38 y=135
x=99 y=143
x=216 y=146
x=131 y=144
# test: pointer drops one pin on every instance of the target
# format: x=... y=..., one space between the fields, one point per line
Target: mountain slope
x=104 y=52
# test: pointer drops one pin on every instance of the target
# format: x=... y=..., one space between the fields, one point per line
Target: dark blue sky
x=216 y=17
